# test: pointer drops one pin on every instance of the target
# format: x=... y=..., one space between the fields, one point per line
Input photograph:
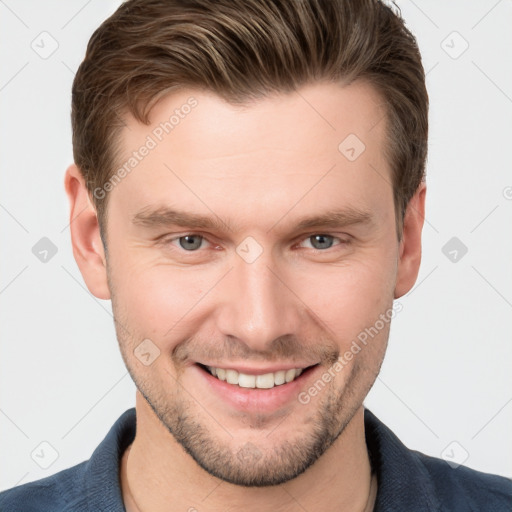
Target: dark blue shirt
x=408 y=481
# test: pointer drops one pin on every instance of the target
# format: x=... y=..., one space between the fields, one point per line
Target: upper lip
x=261 y=370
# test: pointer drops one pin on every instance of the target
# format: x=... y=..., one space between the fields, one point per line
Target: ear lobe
x=410 y=245
x=87 y=245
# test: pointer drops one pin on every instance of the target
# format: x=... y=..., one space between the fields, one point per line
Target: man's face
x=258 y=291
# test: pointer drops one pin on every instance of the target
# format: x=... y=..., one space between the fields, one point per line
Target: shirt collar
x=403 y=481
x=102 y=478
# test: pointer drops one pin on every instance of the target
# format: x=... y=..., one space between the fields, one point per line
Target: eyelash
x=342 y=242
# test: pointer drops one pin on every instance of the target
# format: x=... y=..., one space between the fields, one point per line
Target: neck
x=157 y=475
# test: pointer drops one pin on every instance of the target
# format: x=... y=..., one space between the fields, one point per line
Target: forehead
x=323 y=112
x=320 y=140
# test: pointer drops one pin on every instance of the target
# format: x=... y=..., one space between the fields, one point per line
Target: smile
x=264 y=381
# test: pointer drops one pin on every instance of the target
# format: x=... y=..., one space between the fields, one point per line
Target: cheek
x=348 y=298
x=156 y=299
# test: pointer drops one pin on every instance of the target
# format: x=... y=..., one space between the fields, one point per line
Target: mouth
x=267 y=380
x=252 y=391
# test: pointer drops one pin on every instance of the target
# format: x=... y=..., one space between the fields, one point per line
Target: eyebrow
x=166 y=217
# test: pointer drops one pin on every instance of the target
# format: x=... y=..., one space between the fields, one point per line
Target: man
x=248 y=190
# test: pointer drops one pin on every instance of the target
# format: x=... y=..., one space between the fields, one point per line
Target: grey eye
x=188 y=243
x=321 y=241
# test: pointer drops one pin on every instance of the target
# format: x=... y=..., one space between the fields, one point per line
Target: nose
x=257 y=305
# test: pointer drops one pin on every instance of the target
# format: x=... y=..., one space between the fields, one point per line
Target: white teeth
x=246 y=381
x=266 y=381
x=290 y=375
x=231 y=376
x=279 y=377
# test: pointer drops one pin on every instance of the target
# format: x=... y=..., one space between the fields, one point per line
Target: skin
x=259 y=168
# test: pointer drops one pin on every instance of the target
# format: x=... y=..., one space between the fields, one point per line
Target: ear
x=410 y=245
x=88 y=247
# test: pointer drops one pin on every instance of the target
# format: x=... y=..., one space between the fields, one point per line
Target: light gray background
x=445 y=387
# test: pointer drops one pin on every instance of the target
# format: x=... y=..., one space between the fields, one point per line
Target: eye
x=190 y=242
x=321 y=242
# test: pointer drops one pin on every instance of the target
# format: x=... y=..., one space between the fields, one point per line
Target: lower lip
x=255 y=399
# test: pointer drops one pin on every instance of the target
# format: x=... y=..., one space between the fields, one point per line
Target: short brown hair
x=243 y=50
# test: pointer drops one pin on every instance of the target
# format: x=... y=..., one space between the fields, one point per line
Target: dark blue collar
x=403 y=481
